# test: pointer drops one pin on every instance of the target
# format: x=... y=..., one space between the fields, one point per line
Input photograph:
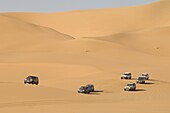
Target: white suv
x=126 y=75
x=130 y=87
x=146 y=75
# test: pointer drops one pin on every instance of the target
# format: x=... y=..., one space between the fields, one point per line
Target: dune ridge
x=16 y=33
x=102 y=22
x=152 y=41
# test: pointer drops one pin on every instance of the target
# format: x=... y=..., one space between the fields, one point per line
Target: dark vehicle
x=31 y=80
x=141 y=80
x=91 y=87
x=84 y=89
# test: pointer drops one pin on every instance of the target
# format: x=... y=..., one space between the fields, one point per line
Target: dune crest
x=18 y=34
x=101 y=22
x=152 y=41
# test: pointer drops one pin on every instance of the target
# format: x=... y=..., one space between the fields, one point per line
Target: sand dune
x=102 y=22
x=69 y=49
x=17 y=34
x=152 y=41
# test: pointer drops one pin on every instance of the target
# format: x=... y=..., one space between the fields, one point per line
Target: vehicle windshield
x=89 y=85
x=140 y=78
x=29 y=77
x=32 y=77
x=143 y=74
x=130 y=84
x=126 y=74
x=81 y=88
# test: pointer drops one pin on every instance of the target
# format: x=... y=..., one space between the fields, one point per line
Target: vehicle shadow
x=161 y=81
x=131 y=79
x=149 y=83
x=96 y=92
x=153 y=80
x=139 y=90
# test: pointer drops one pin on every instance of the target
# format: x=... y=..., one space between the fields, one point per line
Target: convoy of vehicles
x=87 y=89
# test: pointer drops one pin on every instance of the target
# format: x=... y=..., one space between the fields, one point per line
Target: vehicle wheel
x=129 y=77
x=124 y=89
x=121 y=77
x=137 y=82
x=86 y=92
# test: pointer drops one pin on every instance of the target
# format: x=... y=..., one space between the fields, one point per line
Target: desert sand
x=69 y=49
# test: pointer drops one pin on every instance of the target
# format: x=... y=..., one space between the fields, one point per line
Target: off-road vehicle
x=126 y=75
x=141 y=80
x=31 y=80
x=130 y=87
x=84 y=89
x=91 y=87
x=146 y=75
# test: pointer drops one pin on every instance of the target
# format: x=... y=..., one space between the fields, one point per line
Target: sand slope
x=152 y=41
x=17 y=34
x=102 y=21
x=99 y=46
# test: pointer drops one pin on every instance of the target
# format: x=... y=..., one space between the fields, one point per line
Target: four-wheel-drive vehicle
x=146 y=75
x=130 y=87
x=84 y=89
x=31 y=80
x=141 y=80
x=91 y=87
x=126 y=75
